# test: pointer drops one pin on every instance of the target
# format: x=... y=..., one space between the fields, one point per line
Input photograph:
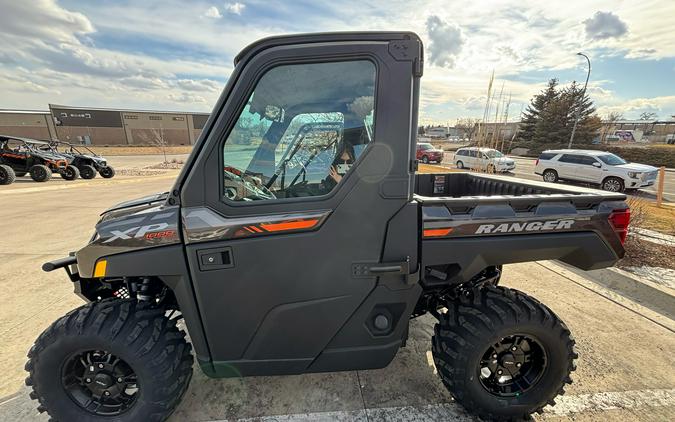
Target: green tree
x=532 y=115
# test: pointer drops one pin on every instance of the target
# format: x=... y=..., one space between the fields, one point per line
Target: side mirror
x=596 y=164
x=274 y=113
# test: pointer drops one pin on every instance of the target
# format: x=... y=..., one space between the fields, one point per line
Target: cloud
x=604 y=25
x=445 y=42
x=186 y=97
x=213 y=12
x=235 y=8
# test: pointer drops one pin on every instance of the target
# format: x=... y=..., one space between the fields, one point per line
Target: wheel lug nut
x=514 y=348
x=500 y=372
x=107 y=393
x=494 y=356
x=100 y=366
x=120 y=379
x=88 y=380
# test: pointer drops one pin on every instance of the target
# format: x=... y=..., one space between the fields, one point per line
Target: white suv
x=487 y=159
x=609 y=171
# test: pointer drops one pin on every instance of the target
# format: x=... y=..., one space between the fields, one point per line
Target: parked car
x=86 y=160
x=19 y=156
x=428 y=153
x=486 y=159
x=609 y=171
x=320 y=277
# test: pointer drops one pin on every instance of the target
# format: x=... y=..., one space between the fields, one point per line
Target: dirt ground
x=141 y=150
x=625 y=370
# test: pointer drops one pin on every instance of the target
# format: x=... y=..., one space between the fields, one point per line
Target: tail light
x=536 y=163
x=620 y=219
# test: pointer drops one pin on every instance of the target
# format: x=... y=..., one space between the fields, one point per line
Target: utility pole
x=583 y=93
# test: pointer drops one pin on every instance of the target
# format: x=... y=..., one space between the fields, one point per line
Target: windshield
x=426 y=147
x=612 y=160
x=493 y=154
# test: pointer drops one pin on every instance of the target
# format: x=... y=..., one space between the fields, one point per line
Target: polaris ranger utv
x=19 y=156
x=86 y=160
x=277 y=270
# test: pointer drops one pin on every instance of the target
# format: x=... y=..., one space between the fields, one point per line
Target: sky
x=177 y=54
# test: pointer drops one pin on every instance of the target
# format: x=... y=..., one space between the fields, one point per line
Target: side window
x=546 y=155
x=569 y=158
x=302 y=129
x=587 y=161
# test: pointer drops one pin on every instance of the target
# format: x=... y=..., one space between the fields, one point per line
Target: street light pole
x=583 y=93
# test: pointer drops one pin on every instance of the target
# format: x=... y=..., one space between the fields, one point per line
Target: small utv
x=86 y=160
x=21 y=156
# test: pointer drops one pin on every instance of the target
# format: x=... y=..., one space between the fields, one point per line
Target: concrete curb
x=646 y=298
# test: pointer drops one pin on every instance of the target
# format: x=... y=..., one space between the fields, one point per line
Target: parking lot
x=624 y=332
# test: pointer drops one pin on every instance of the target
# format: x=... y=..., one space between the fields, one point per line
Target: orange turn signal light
x=99 y=269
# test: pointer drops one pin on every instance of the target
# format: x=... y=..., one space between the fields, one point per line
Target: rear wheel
x=550 y=176
x=70 y=173
x=118 y=359
x=7 y=175
x=612 y=184
x=502 y=354
x=460 y=165
x=87 y=172
x=107 y=172
x=40 y=173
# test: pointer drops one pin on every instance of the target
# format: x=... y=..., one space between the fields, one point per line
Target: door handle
x=215 y=259
x=374 y=269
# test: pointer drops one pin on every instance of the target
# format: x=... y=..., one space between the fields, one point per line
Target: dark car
x=86 y=160
x=428 y=153
x=19 y=156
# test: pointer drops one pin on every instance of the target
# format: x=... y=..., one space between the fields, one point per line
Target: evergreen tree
x=538 y=106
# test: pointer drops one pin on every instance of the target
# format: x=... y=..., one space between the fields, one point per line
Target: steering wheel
x=259 y=190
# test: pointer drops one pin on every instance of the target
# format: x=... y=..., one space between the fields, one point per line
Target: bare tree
x=609 y=123
x=155 y=137
x=468 y=126
x=648 y=115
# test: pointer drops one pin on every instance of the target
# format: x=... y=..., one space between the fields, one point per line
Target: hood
x=51 y=156
x=637 y=167
x=137 y=204
x=505 y=160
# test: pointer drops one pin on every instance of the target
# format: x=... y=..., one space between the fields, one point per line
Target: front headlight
x=634 y=174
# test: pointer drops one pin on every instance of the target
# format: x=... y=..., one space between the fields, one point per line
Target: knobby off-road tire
x=142 y=341
x=468 y=338
x=40 y=173
x=70 y=173
x=87 y=172
x=7 y=175
x=107 y=172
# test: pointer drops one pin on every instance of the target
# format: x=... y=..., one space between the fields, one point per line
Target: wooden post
x=659 y=188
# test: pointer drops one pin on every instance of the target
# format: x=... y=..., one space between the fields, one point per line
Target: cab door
x=283 y=259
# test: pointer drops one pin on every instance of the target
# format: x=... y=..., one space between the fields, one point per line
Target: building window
x=178 y=118
x=130 y=117
x=63 y=114
x=87 y=116
x=155 y=117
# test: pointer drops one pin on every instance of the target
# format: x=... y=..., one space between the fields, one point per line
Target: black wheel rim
x=100 y=383
x=512 y=366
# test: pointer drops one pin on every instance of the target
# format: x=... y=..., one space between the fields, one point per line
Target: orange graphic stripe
x=289 y=225
x=437 y=232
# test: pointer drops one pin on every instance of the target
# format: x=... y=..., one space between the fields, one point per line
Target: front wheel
x=425 y=159
x=118 y=359
x=502 y=354
x=70 y=173
x=460 y=165
x=106 y=172
x=40 y=173
x=612 y=184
